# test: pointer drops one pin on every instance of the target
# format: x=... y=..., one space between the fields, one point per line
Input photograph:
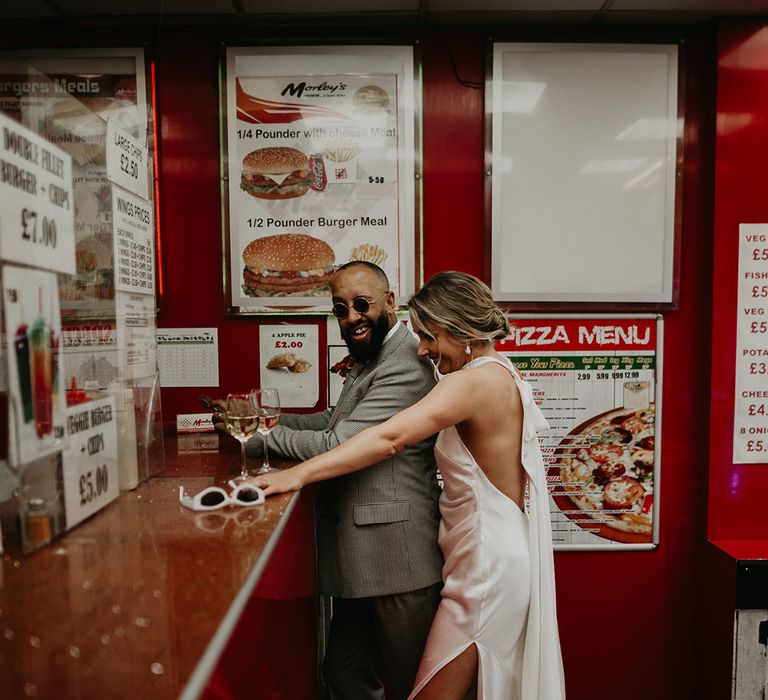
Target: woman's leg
x=456 y=680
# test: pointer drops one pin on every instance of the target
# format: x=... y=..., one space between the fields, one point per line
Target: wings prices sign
x=597 y=381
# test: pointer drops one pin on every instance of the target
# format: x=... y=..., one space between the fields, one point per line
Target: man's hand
x=219 y=412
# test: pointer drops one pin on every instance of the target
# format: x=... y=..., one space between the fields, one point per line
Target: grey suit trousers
x=387 y=632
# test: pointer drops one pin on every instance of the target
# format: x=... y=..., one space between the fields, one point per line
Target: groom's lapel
x=361 y=369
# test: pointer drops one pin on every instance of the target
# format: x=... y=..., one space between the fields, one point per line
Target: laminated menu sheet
x=597 y=380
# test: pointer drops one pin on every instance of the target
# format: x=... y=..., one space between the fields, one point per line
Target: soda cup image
x=54 y=344
x=21 y=348
x=42 y=370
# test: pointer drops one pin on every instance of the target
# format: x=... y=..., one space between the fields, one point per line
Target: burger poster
x=597 y=382
x=320 y=169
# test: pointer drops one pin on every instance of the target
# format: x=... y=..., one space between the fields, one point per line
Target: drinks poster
x=597 y=381
x=33 y=333
x=320 y=167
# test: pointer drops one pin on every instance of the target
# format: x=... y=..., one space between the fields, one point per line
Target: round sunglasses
x=359 y=304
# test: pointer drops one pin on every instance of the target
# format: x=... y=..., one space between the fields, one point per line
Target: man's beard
x=364 y=351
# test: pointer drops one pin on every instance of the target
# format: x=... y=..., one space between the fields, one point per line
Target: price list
x=750 y=423
x=127 y=161
x=134 y=256
x=36 y=200
x=90 y=459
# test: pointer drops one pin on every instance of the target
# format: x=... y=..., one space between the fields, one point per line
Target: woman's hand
x=278 y=482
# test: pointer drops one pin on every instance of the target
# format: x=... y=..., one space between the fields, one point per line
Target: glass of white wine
x=242 y=421
x=268 y=407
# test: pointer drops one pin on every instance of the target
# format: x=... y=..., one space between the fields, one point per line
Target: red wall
x=626 y=618
x=737 y=492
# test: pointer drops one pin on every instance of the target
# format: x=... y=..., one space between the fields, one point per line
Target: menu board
x=69 y=97
x=133 y=226
x=750 y=424
x=597 y=382
x=320 y=169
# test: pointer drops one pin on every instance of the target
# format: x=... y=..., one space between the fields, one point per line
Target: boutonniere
x=343 y=366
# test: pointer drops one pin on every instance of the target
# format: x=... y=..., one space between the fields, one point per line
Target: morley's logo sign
x=323 y=89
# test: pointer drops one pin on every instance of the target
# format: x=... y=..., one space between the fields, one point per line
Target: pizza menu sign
x=320 y=145
x=596 y=381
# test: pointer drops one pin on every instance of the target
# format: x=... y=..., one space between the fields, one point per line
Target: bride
x=495 y=633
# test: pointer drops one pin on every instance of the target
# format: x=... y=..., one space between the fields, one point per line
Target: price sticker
x=90 y=459
x=36 y=200
x=127 y=161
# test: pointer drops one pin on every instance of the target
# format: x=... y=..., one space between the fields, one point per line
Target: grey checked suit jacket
x=376 y=528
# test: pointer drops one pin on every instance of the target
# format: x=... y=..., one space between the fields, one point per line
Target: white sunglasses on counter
x=215 y=497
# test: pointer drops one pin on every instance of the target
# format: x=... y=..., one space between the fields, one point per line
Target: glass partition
x=80 y=388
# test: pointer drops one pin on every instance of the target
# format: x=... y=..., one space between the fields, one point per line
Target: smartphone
x=207 y=401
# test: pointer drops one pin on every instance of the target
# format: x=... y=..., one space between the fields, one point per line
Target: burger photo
x=287 y=264
x=276 y=172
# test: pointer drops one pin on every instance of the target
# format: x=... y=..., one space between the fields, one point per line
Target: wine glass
x=242 y=421
x=268 y=407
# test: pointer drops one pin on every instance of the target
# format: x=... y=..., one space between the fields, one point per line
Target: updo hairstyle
x=462 y=305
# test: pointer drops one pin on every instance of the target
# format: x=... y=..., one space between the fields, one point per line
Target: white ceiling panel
x=269 y=7
x=97 y=8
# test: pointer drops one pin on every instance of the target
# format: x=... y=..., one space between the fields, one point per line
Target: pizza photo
x=602 y=476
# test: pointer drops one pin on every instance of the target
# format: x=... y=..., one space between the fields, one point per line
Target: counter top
x=139 y=600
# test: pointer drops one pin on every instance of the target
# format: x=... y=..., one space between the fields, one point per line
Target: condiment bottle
x=38 y=528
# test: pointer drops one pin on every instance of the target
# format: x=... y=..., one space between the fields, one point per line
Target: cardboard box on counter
x=194 y=423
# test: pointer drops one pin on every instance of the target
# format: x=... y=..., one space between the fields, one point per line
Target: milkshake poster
x=33 y=333
x=320 y=170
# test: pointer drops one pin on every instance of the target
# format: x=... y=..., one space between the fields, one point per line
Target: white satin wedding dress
x=499 y=591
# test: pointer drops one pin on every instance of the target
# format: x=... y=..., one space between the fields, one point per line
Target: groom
x=377 y=528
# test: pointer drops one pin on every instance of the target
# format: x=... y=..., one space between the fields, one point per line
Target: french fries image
x=369 y=253
x=341 y=151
